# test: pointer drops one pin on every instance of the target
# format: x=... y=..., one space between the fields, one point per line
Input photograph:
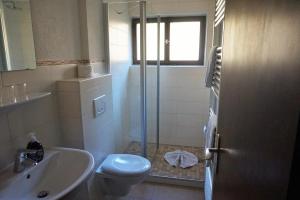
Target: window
x=182 y=40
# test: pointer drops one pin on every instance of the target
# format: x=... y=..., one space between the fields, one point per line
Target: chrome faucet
x=22 y=161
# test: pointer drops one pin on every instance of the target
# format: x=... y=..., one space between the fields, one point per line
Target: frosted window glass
x=151 y=36
x=184 y=41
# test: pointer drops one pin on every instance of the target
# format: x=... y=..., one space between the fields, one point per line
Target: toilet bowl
x=118 y=172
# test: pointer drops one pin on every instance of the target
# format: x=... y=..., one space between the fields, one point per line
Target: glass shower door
x=155 y=33
x=141 y=117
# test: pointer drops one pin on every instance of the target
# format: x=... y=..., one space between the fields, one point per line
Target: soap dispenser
x=34 y=144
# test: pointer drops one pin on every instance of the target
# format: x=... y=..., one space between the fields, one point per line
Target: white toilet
x=118 y=172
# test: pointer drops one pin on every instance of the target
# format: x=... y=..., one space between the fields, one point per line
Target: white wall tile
x=185 y=107
x=6 y=149
x=170 y=93
x=81 y=129
x=184 y=104
x=168 y=119
x=63 y=86
x=40 y=116
x=120 y=60
x=99 y=138
x=72 y=132
x=168 y=106
x=56 y=22
x=69 y=104
x=190 y=120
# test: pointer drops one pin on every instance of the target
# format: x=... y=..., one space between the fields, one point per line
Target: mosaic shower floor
x=160 y=168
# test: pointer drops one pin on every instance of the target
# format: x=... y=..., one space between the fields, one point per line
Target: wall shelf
x=22 y=100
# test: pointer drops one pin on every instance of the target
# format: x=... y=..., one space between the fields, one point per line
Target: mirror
x=16 y=37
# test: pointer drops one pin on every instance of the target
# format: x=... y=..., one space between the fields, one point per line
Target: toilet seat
x=119 y=172
x=125 y=165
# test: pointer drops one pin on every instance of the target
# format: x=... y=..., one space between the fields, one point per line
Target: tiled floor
x=154 y=191
x=160 y=168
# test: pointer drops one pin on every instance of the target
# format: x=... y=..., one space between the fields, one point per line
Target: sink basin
x=61 y=170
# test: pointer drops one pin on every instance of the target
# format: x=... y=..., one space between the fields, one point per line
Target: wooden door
x=259 y=99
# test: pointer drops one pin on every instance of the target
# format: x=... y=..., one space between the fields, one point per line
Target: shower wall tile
x=190 y=120
x=184 y=102
x=168 y=119
x=169 y=93
x=168 y=106
x=185 y=107
x=120 y=61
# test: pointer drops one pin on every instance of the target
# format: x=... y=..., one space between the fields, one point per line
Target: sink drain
x=43 y=194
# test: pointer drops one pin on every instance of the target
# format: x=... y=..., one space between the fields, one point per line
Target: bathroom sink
x=61 y=170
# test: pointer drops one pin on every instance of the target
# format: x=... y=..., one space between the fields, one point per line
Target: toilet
x=118 y=172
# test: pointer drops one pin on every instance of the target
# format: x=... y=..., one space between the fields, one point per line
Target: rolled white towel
x=180 y=158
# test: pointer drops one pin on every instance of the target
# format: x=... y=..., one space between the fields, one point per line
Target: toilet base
x=113 y=188
x=117 y=186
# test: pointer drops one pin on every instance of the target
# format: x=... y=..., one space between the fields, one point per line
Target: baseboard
x=175 y=181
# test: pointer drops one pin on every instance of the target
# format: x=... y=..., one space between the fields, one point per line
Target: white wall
x=95 y=32
x=120 y=60
x=56 y=29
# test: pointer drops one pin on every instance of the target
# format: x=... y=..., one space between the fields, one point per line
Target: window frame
x=167 y=21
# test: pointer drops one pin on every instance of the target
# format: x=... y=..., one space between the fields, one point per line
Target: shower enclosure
x=140 y=99
x=147 y=127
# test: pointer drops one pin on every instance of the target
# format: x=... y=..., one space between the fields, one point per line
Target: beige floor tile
x=160 y=168
x=143 y=191
x=167 y=192
x=152 y=191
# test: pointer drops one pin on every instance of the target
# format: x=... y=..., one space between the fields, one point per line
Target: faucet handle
x=23 y=152
x=22 y=160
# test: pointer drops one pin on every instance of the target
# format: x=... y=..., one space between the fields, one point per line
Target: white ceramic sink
x=60 y=171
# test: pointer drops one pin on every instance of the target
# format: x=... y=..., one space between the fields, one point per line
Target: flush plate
x=99 y=105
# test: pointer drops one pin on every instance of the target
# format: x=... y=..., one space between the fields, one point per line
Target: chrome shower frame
x=143 y=77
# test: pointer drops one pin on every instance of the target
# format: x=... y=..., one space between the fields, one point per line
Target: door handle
x=212 y=154
x=210 y=151
x=215 y=150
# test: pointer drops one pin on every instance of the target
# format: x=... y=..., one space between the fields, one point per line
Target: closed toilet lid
x=125 y=165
